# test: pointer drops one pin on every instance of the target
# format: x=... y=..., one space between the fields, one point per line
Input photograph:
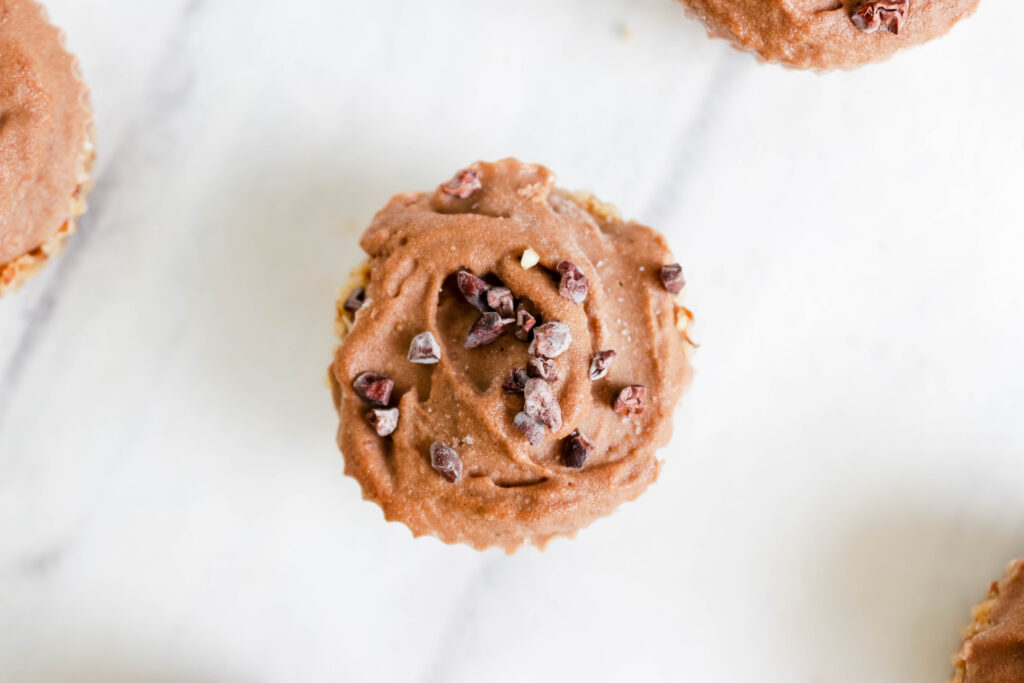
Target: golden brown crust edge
x=981 y=620
x=14 y=274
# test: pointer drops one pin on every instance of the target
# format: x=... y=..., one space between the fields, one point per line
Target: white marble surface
x=848 y=469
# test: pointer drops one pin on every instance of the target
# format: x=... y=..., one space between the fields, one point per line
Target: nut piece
x=574 y=284
x=672 y=278
x=530 y=259
x=355 y=300
x=600 y=364
x=540 y=404
x=524 y=324
x=630 y=400
x=531 y=428
x=446 y=461
x=374 y=388
x=550 y=340
x=542 y=368
x=384 y=420
x=887 y=15
x=474 y=289
x=500 y=299
x=576 y=449
x=487 y=329
x=424 y=349
x=463 y=185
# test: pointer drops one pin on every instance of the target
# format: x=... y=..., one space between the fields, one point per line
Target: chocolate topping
x=574 y=283
x=600 y=363
x=672 y=278
x=355 y=300
x=887 y=15
x=384 y=420
x=500 y=299
x=540 y=404
x=487 y=329
x=524 y=324
x=576 y=449
x=515 y=383
x=630 y=400
x=551 y=340
x=531 y=428
x=45 y=125
x=374 y=388
x=424 y=349
x=463 y=185
x=542 y=368
x=446 y=461
x=474 y=289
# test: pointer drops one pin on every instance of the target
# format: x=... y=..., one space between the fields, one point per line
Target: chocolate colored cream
x=821 y=34
x=993 y=649
x=492 y=220
x=45 y=128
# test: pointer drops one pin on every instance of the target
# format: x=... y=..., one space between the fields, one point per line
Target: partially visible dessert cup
x=47 y=138
x=827 y=34
x=993 y=643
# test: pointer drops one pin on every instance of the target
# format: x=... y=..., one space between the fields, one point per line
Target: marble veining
x=845 y=474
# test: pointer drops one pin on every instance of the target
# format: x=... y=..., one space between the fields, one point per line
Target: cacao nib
x=374 y=388
x=672 y=278
x=574 y=284
x=463 y=185
x=474 y=289
x=550 y=340
x=446 y=461
x=630 y=400
x=501 y=300
x=384 y=420
x=531 y=428
x=542 y=368
x=576 y=449
x=524 y=324
x=488 y=328
x=424 y=349
x=355 y=300
x=540 y=403
x=515 y=383
x=886 y=15
x=600 y=364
